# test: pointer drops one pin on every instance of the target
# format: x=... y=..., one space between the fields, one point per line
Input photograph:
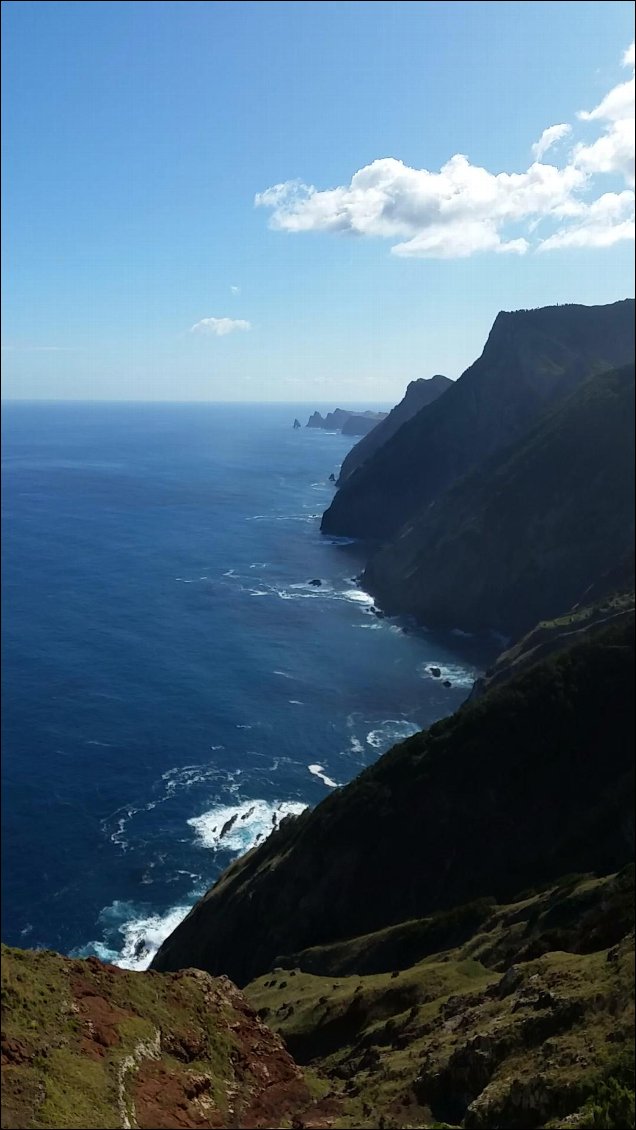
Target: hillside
x=418 y=395
x=88 y=1045
x=523 y=537
x=523 y=1019
x=542 y=765
x=531 y=358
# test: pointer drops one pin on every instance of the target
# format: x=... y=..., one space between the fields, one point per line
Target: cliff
x=534 y=766
x=531 y=358
x=419 y=394
x=523 y=537
x=349 y=423
x=446 y=940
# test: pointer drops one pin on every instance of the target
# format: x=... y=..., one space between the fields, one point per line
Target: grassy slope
x=91 y=1046
x=502 y=1030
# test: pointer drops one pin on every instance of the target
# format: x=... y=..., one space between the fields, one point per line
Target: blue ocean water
x=172 y=683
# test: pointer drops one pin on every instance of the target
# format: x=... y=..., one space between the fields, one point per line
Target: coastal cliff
x=522 y=538
x=419 y=394
x=449 y=938
x=348 y=422
x=531 y=358
x=421 y=830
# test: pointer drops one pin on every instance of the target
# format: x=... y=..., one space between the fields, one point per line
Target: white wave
x=284 y=674
x=307 y=586
x=141 y=935
x=237 y=828
x=372 y=627
x=318 y=771
x=390 y=732
x=462 y=633
x=452 y=672
x=259 y=592
x=356 y=745
x=358 y=596
x=282 y=517
x=295 y=702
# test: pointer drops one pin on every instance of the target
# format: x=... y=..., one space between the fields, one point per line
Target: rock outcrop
x=89 y=1045
x=347 y=422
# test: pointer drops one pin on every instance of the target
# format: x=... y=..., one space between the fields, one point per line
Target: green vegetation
x=87 y=1045
x=525 y=535
x=531 y=358
x=511 y=1040
x=534 y=766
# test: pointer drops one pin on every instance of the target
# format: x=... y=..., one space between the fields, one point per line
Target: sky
x=312 y=201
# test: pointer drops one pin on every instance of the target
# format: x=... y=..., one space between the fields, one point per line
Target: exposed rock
x=106 y=1047
x=347 y=422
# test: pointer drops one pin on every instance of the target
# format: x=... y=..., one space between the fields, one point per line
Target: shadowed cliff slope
x=523 y=537
x=528 y=783
x=418 y=395
x=531 y=357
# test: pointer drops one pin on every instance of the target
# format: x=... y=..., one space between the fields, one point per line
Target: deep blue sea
x=173 y=685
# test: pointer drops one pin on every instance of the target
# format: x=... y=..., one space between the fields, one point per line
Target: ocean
x=174 y=684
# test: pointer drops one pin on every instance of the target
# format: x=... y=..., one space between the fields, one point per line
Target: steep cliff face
x=531 y=357
x=526 y=784
x=418 y=395
x=523 y=537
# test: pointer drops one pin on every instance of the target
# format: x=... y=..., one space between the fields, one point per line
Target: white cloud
x=235 y=289
x=613 y=151
x=219 y=327
x=548 y=138
x=606 y=221
x=464 y=209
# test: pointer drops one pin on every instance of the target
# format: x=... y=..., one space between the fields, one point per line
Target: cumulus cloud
x=548 y=138
x=464 y=209
x=219 y=327
x=235 y=289
x=606 y=221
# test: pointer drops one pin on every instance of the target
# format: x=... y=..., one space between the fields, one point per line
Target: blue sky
x=137 y=137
